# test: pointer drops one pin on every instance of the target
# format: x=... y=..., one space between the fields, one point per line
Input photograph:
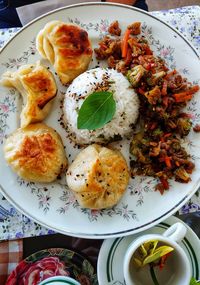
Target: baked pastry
x=37 y=87
x=36 y=153
x=67 y=47
x=98 y=177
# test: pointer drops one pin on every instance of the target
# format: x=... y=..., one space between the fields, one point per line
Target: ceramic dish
x=111 y=255
x=66 y=262
x=58 y=280
x=53 y=205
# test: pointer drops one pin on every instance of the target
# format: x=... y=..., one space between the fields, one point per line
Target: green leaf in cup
x=149 y=253
x=97 y=110
x=143 y=251
x=157 y=254
x=138 y=262
x=150 y=246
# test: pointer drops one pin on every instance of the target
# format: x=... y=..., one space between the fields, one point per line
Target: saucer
x=74 y=265
x=111 y=255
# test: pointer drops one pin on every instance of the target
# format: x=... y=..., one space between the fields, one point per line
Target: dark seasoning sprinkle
x=104 y=85
x=69 y=134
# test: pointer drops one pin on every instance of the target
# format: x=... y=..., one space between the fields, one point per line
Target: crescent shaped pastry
x=37 y=87
x=36 y=153
x=67 y=47
x=98 y=177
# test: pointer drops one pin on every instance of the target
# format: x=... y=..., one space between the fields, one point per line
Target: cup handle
x=176 y=232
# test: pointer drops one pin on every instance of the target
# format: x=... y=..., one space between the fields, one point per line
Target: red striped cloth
x=11 y=253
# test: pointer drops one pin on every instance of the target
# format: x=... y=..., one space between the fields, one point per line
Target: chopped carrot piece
x=164 y=88
x=168 y=161
x=148 y=51
x=186 y=95
x=103 y=46
x=124 y=45
x=153 y=126
x=170 y=74
x=164 y=183
x=128 y=56
x=184 y=98
x=165 y=100
x=141 y=91
x=167 y=135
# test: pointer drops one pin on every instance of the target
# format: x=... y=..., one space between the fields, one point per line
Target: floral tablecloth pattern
x=13 y=224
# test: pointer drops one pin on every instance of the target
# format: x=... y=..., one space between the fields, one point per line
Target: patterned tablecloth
x=15 y=225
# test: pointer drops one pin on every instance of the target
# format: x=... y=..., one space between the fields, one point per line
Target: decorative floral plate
x=53 y=205
x=53 y=262
x=110 y=260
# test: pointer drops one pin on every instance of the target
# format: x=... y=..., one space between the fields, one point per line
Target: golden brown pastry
x=67 y=47
x=98 y=177
x=37 y=87
x=36 y=153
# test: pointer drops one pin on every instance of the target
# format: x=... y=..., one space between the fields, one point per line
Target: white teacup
x=175 y=272
x=59 y=280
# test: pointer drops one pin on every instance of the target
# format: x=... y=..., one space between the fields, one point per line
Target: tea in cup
x=158 y=259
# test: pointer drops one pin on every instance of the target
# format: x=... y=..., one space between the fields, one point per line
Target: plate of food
x=53 y=262
x=99 y=124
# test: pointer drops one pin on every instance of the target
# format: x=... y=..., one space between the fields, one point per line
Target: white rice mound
x=127 y=106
